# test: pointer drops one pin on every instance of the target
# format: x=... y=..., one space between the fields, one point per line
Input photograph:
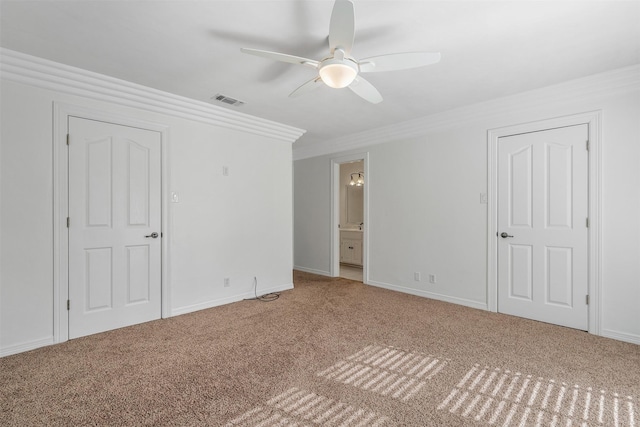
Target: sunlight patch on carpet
x=387 y=371
x=504 y=398
x=296 y=407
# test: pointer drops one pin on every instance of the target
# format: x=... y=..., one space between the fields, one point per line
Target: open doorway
x=350 y=185
x=352 y=180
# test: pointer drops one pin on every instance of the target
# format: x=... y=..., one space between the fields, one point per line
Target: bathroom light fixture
x=359 y=181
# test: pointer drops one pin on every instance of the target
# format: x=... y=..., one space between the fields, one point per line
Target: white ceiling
x=192 y=48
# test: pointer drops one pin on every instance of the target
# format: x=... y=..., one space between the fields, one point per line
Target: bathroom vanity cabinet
x=351 y=247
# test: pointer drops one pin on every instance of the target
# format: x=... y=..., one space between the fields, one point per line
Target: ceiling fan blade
x=283 y=57
x=365 y=90
x=398 y=61
x=307 y=87
x=342 y=26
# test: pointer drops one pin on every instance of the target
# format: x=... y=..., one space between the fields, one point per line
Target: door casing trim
x=61 y=114
x=593 y=119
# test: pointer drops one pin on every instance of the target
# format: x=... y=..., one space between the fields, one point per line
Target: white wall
x=26 y=220
x=237 y=226
x=312 y=216
x=425 y=182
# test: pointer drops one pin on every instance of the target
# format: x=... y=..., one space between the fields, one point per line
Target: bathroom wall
x=346 y=169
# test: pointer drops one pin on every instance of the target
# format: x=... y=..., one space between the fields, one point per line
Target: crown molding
x=623 y=80
x=30 y=70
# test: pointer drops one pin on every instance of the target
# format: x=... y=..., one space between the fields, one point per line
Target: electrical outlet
x=227 y=282
x=416 y=276
x=225 y=171
x=432 y=278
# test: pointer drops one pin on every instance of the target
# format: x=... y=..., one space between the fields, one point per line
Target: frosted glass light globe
x=338 y=73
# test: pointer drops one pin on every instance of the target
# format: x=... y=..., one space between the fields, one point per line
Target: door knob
x=504 y=235
x=153 y=235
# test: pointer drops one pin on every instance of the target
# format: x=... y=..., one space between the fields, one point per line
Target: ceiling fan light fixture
x=339 y=70
x=337 y=73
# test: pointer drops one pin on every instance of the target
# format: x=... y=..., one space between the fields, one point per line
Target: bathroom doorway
x=350 y=213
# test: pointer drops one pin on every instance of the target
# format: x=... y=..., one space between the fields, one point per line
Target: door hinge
x=68 y=304
x=68 y=222
x=67 y=139
x=587 y=299
x=587 y=222
x=587 y=145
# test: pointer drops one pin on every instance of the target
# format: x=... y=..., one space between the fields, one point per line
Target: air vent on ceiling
x=227 y=100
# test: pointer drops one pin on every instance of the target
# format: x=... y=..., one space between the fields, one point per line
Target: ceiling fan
x=339 y=69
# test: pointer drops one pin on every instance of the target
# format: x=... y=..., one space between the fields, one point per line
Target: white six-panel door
x=114 y=209
x=542 y=226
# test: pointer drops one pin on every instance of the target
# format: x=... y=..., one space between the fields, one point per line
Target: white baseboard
x=26 y=346
x=432 y=295
x=228 y=300
x=621 y=336
x=312 y=271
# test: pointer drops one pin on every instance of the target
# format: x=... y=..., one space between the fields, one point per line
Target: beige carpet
x=330 y=352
